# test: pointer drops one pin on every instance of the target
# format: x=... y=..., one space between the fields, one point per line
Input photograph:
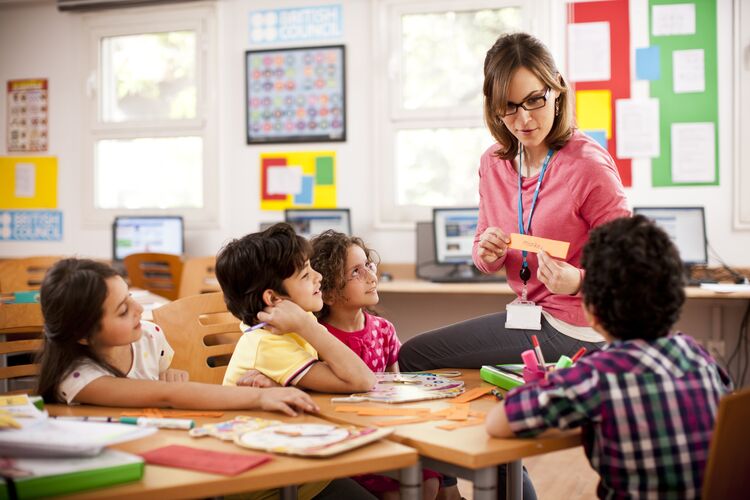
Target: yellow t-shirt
x=279 y=357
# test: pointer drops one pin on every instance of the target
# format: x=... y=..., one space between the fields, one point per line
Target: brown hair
x=509 y=53
x=330 y=250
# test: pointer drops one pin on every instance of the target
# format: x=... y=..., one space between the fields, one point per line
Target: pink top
x=376 y=344
x=580 y=190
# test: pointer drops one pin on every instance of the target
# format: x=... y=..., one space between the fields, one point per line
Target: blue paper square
x=599 y=136
x=647 y=63
x=305 y=197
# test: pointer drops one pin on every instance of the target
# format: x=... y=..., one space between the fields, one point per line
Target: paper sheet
x=555 y=248
x=688 y=71
x=693 y=152
x=285 y=180
x=637 y=128
x=594 y=110
x=589 y=52
x=675 y=19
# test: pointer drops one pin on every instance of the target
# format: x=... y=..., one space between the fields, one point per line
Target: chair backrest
x=199 y=276
x=202 y=333
x=24 y=274
x=159 y=273
x=21 y=327
x=728 y=468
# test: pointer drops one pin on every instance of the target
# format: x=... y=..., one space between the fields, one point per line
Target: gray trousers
x=483 y=341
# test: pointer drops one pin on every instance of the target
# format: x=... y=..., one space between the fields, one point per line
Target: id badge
x=523 y=315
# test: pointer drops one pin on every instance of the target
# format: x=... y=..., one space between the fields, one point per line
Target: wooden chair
x=21 y=327
x=24 y=274
x=159 y=273
x=727 y=470
x=199 y=276
x=202 y=333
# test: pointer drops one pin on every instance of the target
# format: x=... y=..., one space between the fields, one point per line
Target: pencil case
x=504 y=376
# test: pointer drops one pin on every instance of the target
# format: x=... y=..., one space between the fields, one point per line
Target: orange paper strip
x=555 y=248
x=471 y=395
x=393 y=412
x=403 y=421
x=460 y=412
x=458 y=425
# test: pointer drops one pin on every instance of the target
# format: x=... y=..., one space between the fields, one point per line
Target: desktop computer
x=310 y=222
x=147 y=234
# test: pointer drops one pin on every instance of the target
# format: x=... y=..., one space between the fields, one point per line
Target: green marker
x=563 y=362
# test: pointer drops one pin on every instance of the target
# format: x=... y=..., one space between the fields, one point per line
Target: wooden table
x=165 y=482
x=467 y=452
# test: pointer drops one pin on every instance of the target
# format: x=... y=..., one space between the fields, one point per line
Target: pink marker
x=529 y=360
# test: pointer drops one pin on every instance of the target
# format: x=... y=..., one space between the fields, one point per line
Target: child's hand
x=285 y=399
x=285 y=316
x=174 y=375
x=254 y=378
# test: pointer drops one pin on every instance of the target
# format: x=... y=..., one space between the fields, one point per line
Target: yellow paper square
x=45 y=182
x=594 y=110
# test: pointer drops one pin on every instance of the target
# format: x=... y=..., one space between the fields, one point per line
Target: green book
x=49 y=477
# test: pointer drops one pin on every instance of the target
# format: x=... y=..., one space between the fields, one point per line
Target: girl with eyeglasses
x=350 y=288
x=541 y=166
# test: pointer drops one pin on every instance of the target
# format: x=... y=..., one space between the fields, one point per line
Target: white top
x=582 y=333
x=152 y=355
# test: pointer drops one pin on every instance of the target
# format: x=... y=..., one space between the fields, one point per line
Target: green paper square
x=324 y=170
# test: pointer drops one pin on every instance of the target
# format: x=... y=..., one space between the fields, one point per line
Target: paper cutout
x=688 y=71
x=458 y=425
x=678 y=19
x=217 y=462
x=28 y=182
x=298 y=179
x=589 y=52
x=594 y=110
x=647 y=61
x=555 y=248
x=406 y=388
x=599 y=136
x=637 y=128
x=404 y=421
x=471 y=395
x=693 y=152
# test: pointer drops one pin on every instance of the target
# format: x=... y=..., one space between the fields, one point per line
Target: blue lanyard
x=533 y=200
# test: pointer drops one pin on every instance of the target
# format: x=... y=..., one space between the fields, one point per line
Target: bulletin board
x=298 y=180
x=600 y=96
x=688 y=107
x=296 y=95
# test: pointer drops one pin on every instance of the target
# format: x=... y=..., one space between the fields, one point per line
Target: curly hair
x=330 y=250
x=634 y=278
x=248 y=266
x=509 y=53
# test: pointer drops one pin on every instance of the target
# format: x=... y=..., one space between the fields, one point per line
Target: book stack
x=42 y=457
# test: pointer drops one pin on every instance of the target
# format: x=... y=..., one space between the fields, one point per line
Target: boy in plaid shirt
x=647 y=402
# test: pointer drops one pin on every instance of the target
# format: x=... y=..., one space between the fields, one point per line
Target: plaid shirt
x=647 y=410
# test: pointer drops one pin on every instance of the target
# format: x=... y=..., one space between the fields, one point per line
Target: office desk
x=467 y=452
x=166 y=482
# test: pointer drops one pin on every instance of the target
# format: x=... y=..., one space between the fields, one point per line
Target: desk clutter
x=407 y=388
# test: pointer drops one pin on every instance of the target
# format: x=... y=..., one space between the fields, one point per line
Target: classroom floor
x=563 y=474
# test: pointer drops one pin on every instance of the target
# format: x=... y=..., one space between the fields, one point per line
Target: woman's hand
x=557 y=275
x=174 y=375
x=493 y=245
x=286 y=400
x=254 y=378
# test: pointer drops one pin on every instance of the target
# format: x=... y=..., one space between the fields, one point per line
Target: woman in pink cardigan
x=566 y=183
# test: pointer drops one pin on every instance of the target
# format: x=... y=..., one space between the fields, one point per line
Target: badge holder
x=523 y=314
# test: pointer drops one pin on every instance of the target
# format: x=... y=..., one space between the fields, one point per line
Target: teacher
x=542 y=178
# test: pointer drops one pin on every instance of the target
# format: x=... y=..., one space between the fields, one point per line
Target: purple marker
x=256 y=327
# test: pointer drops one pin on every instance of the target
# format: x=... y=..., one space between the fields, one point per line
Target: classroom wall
x=38 y=41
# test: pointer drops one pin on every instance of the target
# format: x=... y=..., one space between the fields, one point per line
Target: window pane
x=149 y=76
x=149 y=173
x=443 y=55
x=438 y=167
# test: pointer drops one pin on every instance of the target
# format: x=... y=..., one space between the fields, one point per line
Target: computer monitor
x=686 y=226
x=146 y=233
x=454 y=234
x=313 y=221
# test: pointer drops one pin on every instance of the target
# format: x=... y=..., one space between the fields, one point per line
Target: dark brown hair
x=509 y=53
x=330 y=250
x=72 y=298
x=248 y=266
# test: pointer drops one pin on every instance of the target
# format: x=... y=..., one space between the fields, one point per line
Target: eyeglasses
x=363 y=272
x=530 y=104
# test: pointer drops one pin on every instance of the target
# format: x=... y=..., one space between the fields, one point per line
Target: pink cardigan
x=580 y=190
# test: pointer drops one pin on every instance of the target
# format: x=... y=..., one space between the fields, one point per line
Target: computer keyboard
x=483 y=278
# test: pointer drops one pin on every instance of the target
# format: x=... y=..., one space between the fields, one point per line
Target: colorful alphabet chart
x=27 y=115
x=295 y=95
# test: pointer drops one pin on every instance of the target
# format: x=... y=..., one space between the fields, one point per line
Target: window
x=431 y=131
x=152 y=136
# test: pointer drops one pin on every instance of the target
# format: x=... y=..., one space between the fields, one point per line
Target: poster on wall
x=28 y=182
x=31 y=225
x=295 y=95
x=298 y=180
x=321 y=22
x=28 y=105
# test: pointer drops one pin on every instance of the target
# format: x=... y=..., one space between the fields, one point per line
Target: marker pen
x=161 y=423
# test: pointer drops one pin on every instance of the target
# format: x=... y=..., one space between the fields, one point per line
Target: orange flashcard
x=471 y=395
x=555 y=248
x=458 y=425
x=402 y=421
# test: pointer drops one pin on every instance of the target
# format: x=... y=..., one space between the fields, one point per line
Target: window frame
x=537 y=16
x=200 y=18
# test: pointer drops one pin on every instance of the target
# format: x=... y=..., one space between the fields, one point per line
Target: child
x=647 y=403
x=350 y=287
x=98 y=351
x=267 y=277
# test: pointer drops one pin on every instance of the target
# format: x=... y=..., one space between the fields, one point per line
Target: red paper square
x=217 y=462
